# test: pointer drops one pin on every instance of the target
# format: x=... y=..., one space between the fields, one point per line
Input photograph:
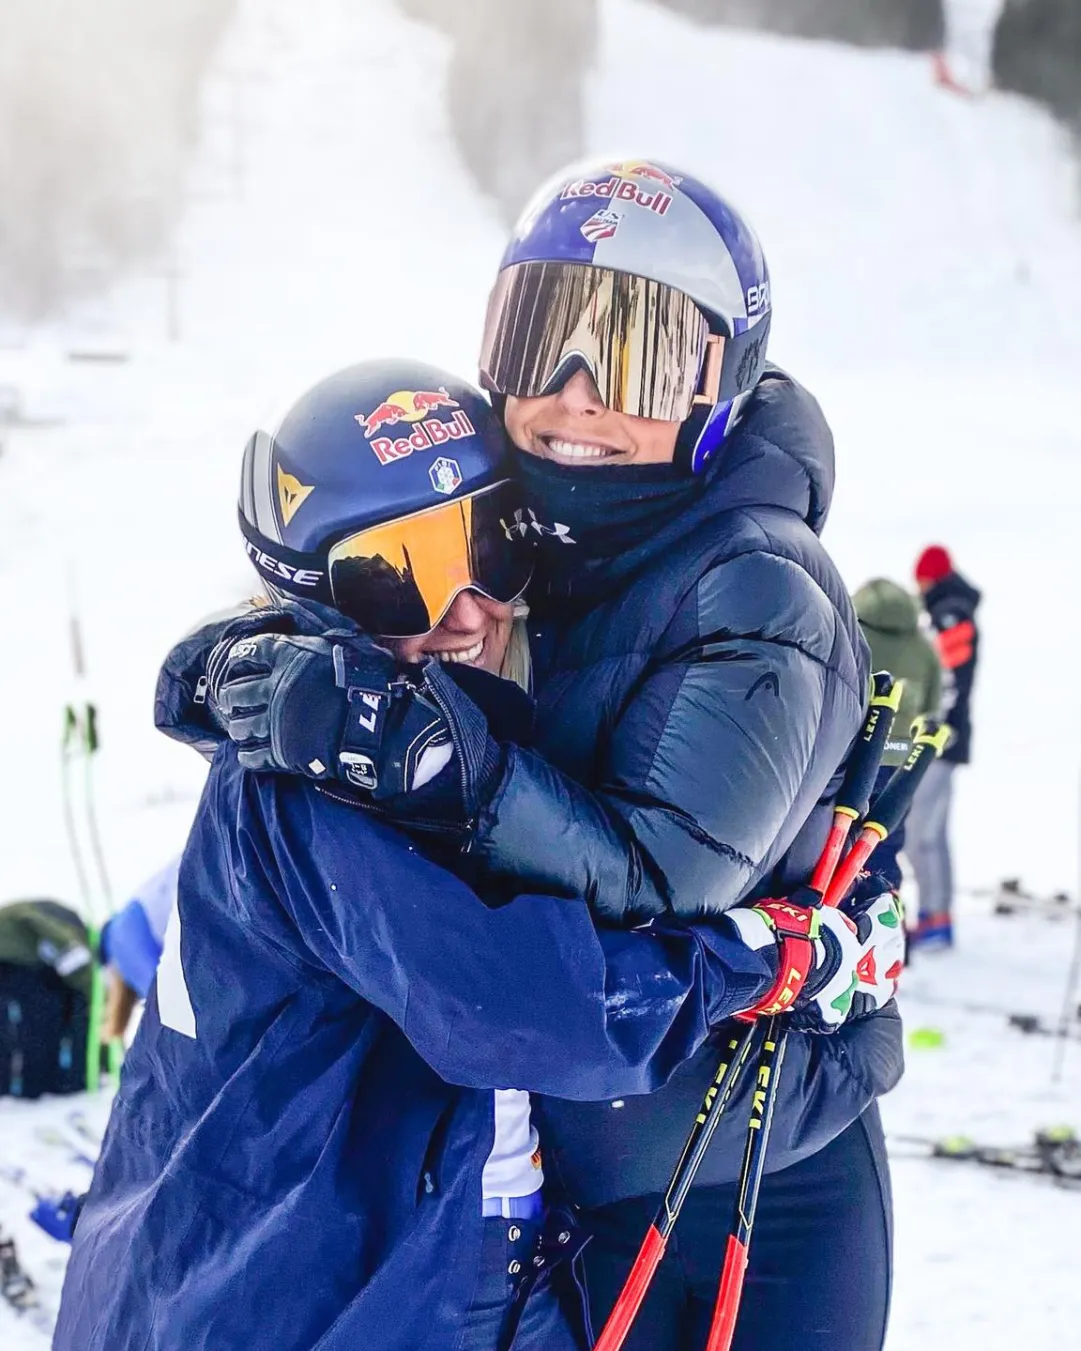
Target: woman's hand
x=341 y=707
x=833 y=964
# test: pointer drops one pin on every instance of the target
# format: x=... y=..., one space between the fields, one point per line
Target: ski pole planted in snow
x=857 y=786
x=1072 y=975
x=80 y=742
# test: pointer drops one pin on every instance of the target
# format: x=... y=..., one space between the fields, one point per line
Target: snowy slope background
x=926 y=260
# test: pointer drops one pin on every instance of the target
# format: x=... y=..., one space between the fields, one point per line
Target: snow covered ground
x=927 y=276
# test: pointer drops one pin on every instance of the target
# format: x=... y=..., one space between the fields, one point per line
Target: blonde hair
x=517 y=661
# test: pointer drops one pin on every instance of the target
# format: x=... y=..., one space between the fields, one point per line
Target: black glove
x=181 y=707
x=337 y=706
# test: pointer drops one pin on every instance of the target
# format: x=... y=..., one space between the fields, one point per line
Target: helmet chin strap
x=704 y=432
x=690 y=434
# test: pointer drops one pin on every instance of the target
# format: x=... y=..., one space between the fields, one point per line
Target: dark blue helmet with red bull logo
x=383 y=492
x=648 y=279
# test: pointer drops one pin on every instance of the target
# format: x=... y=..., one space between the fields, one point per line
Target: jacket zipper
x=429 y=827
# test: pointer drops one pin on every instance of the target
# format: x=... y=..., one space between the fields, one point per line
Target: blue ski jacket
x=294 y=1156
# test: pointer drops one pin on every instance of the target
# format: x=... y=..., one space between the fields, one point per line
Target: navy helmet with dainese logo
x=648 y=279
x=384 y=491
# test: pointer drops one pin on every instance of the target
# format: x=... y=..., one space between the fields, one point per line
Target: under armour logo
x=519 y=527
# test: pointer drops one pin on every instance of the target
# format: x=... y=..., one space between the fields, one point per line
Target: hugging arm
x=702 y=768
x=532 y=994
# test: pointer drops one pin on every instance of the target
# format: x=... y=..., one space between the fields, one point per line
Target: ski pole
x=855 y=793
x=626 y=1307
x=1067 y=1000
x=853 y=798
x=81 y=740
x=929 y=739
x=736 y=1055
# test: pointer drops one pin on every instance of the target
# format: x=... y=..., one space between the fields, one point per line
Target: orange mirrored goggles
x=400 y=578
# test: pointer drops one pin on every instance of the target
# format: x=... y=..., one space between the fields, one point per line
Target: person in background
x=46 y=970
x=131 y=944
x=950 y=602
x=890 y=619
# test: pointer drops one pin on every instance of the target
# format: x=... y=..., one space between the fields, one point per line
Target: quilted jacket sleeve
x=722 y=751
x=531 y=994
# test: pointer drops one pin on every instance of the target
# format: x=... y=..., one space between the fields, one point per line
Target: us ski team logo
x=601 y=225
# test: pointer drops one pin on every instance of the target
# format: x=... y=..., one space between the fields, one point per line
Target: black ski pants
x=819 y=1273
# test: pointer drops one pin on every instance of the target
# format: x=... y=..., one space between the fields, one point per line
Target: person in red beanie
x=950 y=602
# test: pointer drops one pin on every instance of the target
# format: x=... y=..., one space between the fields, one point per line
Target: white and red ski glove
x=833 y=964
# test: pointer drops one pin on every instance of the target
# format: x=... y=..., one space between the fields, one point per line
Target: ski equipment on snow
x=1073 y=974
x=1054 y=1152
x=1012 y=898
x=79 y=745
x=18 y=1289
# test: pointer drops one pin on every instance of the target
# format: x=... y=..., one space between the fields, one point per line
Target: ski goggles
x=400 y=578
x=646 y=345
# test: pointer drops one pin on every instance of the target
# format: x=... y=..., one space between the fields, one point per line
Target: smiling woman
x=573 y=426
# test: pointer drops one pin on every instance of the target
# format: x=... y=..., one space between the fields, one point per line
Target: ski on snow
x=18 y=1290
x=1054 y=1153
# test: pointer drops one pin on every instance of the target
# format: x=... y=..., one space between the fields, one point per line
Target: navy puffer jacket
x=706 y=686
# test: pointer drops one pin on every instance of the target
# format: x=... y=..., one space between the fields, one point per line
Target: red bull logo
x=406 y=405
x=413 y=407
x=643 y=169
x=621 y=189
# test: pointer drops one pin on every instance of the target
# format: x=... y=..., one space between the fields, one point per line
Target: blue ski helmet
x=646 y=278
x=383 y=492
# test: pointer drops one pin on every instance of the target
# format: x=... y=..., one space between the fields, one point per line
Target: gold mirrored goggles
x=646 y=345
x=400 y=578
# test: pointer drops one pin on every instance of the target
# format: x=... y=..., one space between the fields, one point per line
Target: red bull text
x=425 y=435
x=620 y=190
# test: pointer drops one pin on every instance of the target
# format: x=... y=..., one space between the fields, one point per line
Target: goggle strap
x=302 y=575
x=744 y=362
x=709 y=388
